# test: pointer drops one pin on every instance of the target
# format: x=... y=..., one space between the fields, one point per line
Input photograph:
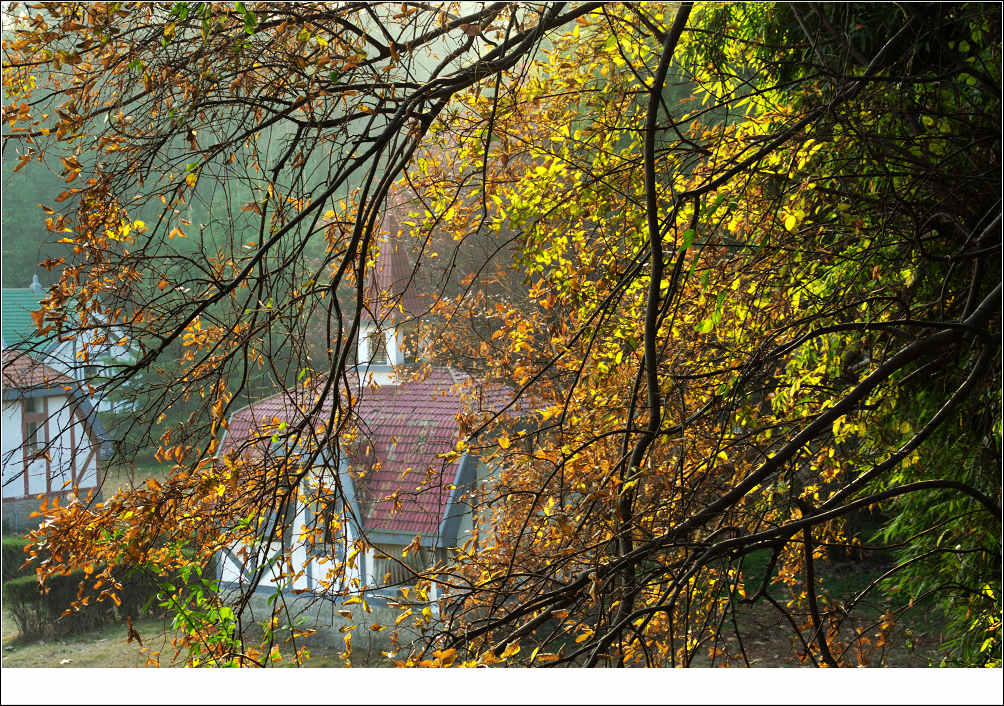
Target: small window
x=378 y=348
x=32 y=405
x=33 y=437
x=389 y=572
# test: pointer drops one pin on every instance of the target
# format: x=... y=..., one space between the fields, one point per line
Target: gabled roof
x=409 y=426
x=23 y=373
x=404 y=431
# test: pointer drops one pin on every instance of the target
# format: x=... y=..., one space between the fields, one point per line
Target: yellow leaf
x=630 y=484
x=488 y=658
x=504 y=442
x=191 y=179
x=511 y=649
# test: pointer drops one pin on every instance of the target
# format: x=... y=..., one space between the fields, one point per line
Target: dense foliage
x=743 y=260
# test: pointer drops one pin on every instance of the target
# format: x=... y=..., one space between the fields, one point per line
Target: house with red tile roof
x=399 y=480
x=400 y=484
x=52 y=441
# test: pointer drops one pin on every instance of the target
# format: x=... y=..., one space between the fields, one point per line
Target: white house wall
x=13 y=481
x=70 y=448
x=232 y=570
x=36 y=468
x=75 y=448
x=379 y=374
x=61 y=448
x=66 y=360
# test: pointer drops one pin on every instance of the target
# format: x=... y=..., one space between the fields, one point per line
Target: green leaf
x=705 y=326
x=688 y=238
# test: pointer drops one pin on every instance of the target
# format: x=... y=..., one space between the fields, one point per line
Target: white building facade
x=51 y=440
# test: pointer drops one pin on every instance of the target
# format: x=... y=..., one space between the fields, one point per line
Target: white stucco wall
x=61 y=451
x=36 y=468
x=13 y=485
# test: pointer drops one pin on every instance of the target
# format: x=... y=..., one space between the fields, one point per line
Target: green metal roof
x=15 y=316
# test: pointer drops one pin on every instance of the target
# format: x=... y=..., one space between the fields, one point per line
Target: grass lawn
x=105 y=647
x=108 y=647
x=131 y=475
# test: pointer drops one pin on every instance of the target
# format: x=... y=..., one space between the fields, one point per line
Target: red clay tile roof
x=404 y=428
x=250 y=429
x=22 y=372
x=409 y=426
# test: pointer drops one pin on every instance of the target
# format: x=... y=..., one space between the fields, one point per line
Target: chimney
x=391 y=281
x=35 y=285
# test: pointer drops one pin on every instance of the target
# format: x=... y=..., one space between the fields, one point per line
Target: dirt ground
x=913 y=640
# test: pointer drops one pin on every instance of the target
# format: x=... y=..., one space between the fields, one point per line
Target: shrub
x=13 y=558
x=37 y=613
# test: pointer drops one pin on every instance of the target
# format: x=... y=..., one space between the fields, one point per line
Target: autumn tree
x=744 y=260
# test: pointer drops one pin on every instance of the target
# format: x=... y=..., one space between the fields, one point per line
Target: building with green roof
x=16 y=306
x=20 y=333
